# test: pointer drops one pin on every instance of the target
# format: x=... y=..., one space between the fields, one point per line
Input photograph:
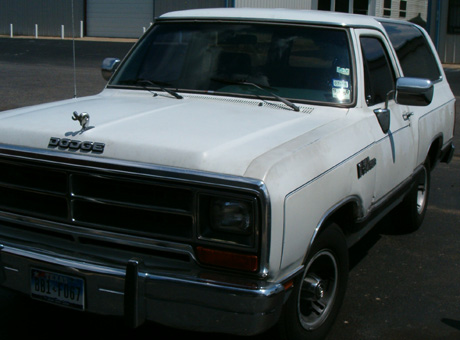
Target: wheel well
x=345 y=216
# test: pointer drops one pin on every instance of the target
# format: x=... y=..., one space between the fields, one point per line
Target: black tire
x=411 y=212
x=318 y=294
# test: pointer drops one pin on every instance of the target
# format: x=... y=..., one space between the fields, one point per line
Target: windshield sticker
x=343 y=70
x=340 y=83
x=341 y=94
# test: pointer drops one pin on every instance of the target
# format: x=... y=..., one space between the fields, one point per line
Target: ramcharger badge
x=365 y=166
x=71 y=144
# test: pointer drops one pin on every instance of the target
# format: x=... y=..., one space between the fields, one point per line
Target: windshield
x=296 y=62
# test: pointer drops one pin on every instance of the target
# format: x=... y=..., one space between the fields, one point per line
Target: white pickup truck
x=219 y=179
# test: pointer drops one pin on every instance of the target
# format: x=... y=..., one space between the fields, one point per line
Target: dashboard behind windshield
x=302 y=63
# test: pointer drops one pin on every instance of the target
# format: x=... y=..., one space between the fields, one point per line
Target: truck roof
x=278 y=14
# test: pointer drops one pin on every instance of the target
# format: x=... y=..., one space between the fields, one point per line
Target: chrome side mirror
x=414 y=91
x=109 y=65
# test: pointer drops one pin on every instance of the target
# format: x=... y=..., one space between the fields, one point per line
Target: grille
x=94 y=199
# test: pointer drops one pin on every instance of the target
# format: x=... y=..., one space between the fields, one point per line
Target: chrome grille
x=94 y=199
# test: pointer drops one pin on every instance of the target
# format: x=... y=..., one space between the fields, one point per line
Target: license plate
x=57 y=288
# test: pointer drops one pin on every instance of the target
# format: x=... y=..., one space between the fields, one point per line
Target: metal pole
x=429 y=17
x=438 y=23
x=73 y=53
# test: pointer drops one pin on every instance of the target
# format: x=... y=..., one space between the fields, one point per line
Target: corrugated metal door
x=294 y=4
x=118 y=18
x=164 y=6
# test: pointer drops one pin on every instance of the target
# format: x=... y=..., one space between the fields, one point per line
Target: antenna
x=73 y=50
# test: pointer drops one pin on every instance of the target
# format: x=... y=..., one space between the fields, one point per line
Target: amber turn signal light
x=227 y=259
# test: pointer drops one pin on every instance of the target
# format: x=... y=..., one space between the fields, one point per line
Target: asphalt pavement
x=401 y=286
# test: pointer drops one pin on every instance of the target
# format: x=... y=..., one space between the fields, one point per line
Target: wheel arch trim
x=327 y=217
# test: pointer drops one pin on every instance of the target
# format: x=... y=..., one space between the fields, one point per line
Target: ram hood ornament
x=83 y=118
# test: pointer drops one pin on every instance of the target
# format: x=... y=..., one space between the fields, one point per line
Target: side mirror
x=414 y=91
x=109 y=65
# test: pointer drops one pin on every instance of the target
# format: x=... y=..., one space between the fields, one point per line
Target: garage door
x=118 y=18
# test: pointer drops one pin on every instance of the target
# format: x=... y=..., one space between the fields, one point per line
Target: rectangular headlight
x=231 y=216
x=229 y=220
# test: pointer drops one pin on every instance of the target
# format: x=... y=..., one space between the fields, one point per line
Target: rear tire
x=318 y=293
x=412 y=210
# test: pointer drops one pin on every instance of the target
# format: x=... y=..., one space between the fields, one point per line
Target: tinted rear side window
x=414 y=53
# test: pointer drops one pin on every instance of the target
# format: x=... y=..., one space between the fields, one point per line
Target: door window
x=378 y=73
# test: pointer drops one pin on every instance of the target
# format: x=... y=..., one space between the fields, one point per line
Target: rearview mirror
x=109 y=65
x=414 y=91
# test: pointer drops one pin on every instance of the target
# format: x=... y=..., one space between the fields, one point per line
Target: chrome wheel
x=422 y=192
x=317 y=294
x=318 y=291
x=411 y=211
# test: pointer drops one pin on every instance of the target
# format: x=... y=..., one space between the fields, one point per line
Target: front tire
x=318 y=294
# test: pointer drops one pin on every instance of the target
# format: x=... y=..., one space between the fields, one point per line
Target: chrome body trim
x=154 y=281
x=206 y=300
x=212 y=181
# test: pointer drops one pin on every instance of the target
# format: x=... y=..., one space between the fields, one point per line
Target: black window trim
x=346 y=28
x=395 y=70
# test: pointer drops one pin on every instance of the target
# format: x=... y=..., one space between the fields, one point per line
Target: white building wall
x=414 y=8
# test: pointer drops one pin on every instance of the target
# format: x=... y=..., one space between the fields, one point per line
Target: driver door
x=395 y=146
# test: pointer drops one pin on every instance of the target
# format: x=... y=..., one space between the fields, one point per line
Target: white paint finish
x=335 y=18
x=413 y=9
x=208 y=135
x=316 y=172
x=394 y=151
x=436 y=120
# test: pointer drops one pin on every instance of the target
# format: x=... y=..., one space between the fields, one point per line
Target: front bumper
x=200 y=301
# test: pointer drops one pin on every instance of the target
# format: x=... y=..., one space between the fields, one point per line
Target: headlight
x=230 y=220
x=231 y=216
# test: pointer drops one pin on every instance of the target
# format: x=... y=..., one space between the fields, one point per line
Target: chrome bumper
x=207 y=302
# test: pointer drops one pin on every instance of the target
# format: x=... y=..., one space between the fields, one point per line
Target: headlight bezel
x=229 y=219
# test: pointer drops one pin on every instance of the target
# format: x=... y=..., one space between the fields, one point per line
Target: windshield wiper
x=145 y=82
x=259 y=87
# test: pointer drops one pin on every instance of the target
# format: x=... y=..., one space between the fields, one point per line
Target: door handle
x=407 y=115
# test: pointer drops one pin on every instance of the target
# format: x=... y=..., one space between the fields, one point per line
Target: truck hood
x=216 y=134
